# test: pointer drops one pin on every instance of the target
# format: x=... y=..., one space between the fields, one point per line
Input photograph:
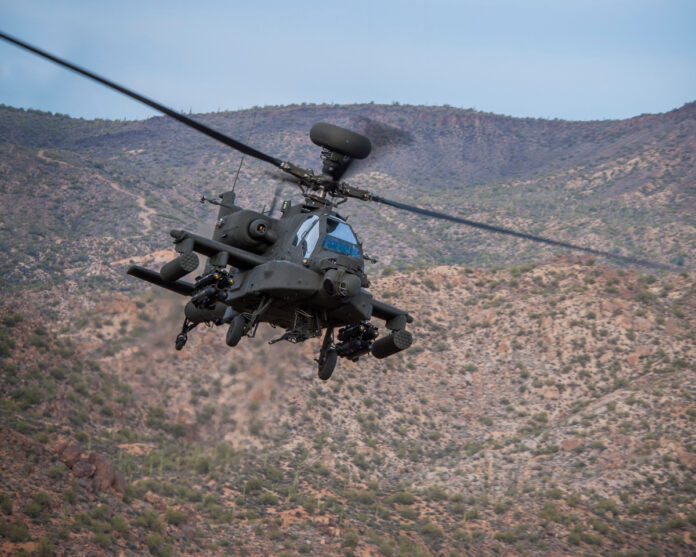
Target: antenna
x=241 y=161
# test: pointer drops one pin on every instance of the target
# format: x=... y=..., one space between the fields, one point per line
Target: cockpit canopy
x=307 y=235
x=339 y=236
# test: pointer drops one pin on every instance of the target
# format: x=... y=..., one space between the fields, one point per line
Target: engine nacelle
x=247 y=230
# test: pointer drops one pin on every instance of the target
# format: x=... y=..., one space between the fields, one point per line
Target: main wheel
x=235 y=331
x=327 y=365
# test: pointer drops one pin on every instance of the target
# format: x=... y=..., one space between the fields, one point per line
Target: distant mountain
x=77 y=195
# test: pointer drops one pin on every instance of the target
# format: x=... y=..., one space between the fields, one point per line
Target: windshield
x=307 y=235
x=340 y=238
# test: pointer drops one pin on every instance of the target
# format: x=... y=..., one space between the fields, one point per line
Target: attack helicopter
x=303 y=272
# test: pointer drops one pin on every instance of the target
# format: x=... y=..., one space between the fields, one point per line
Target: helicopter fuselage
x=302 y=272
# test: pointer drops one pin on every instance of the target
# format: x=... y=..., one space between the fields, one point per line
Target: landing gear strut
x=244 y=323
x=182 y=337
x=327 y=356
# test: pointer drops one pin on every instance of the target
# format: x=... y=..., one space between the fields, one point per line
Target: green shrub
x=16 y=531
x=175 y=516
x=70 y=497
x=206 y=414
x=309 y=504
x=361 y=461
x=502 y=507
x=45 y=547
x=350 y=538
x=5 y=503
x=157 y=546
x=436 y=493
x=56 y=472
x=430 y=530
x=31 y=396
x=119 y=524
x=472 y=514
x=273 y=473
x=554 y=493
x=409 y=513
x=253 y=485
x=42 y=498
x=645 y=296
x=202 y=465
x=149 y=520
x=255 y=426
x=156 y=417
x=103 y=539
x=100 y=512
x=39 y=503
x=33 y=509
x=606 y=505
x=403 y=498
x=12 y=319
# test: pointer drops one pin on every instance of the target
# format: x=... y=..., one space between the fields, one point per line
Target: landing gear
x=327 y=366
x=236 y=330
x=182 y=337
x=327 y=356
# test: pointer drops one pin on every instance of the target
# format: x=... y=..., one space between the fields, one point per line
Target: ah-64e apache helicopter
x=303 y=272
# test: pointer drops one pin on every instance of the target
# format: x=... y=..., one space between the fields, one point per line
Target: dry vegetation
x=544 y=408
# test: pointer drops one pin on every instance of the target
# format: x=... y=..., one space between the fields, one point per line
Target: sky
x=578 y=60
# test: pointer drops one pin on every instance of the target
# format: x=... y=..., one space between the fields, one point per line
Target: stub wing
x=179 y=286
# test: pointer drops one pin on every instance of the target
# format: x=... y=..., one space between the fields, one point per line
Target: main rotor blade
x=210 y=132
x=523 y=235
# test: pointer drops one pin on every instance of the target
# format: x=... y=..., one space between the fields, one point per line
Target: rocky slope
x=542 y=409
x=545 y=408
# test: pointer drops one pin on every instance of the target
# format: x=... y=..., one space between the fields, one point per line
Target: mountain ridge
x=604 y=184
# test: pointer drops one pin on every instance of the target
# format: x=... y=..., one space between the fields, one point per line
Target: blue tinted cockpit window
x=340 y=238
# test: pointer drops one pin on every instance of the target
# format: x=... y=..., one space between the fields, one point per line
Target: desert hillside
x=543 y=409
x=546 y=407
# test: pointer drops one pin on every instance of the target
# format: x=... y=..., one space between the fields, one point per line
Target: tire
x=327 y=366
x=235 y=331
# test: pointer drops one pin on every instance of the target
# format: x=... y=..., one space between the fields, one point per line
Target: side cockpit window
x=340 y=238
x=307 y=235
